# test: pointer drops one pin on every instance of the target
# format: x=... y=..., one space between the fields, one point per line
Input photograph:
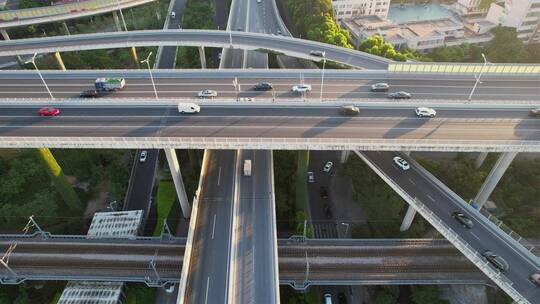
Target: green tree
x=59 y=179
x=377 y=46
x=505 y=46
x=426 y=295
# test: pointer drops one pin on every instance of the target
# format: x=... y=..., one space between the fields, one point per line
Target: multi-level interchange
x=232 y=253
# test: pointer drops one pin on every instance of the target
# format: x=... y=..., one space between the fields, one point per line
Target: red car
x=49 y=111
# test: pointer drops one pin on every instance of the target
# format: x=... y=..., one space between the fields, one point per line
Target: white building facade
x=353 y=8
x=524 y=15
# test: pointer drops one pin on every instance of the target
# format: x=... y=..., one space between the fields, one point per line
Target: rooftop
x=409 y=12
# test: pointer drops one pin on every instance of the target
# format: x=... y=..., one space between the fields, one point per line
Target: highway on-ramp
x=440 y=200
x=212 y=38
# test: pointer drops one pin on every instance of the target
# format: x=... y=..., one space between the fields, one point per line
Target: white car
x=170 y=288
x=173 y=15
x=207 y=93
x=259 y=1
x=403 y=164
x=328 y=166
x=425 y=112
x=301 y=88
x=142 y=157
x=310 y=177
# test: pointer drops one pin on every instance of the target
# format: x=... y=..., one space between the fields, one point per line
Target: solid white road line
x=214 y=227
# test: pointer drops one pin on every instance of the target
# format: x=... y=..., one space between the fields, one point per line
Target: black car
x=399 y=95
x=341 y=298
x=263 y=86
x=463 y=219
x=89 y=94
x=324 y=192
x=495 y=260
x=327 y=211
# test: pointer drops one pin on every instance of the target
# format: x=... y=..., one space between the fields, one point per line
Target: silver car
x=207 y=93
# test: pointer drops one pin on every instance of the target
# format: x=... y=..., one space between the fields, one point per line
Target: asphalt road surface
x=207 y=281
x=374 y=122
x=481 y=237
x=357 y=87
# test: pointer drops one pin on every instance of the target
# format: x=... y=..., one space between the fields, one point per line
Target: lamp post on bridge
x=33 y=61
x=121 y=15
x=147 y=61
x=322 y=76
x=479 y=75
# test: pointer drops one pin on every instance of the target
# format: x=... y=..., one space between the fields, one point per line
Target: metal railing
x=465 y=68
x=524 y=242
x=271 y=143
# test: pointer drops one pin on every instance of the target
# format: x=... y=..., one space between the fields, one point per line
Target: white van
x=327 y=298
x=185 y=107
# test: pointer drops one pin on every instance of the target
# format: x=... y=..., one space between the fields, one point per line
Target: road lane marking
x=214 y=226
x=431 y=198
x=207 y=287
x=412 y=182
x=219 y=176
x=475 y=236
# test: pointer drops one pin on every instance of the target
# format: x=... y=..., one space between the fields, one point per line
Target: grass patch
x=140 y=294
x=166 y=196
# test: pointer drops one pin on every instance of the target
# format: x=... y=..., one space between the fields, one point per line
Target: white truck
x=247 y=167
x=109 y=84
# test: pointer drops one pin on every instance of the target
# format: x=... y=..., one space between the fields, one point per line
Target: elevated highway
x=344 y=85
x=383 y=126
x=61 y=12
x=331 y=262
x=221 y=39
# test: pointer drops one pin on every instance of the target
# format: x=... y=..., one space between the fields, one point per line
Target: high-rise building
x=353 y=8
x=524 y=15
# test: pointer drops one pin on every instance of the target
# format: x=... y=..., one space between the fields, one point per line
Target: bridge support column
x=174 y=166
x=480 y=159
x=344 y=156
x=66 y=28
x=59 y=61
x=202 y=57
x=5 y=35
x=408 y=219
x=117 y=21
x=493 y=178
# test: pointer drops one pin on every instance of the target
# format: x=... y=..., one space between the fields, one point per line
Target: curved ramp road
x=271 y=127
x=212 y=38
x=45 y=14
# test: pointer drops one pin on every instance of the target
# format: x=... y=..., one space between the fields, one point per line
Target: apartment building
x=353 y=8
x=524 y=15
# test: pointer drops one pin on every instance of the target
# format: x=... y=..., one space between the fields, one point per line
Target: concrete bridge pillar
x=59 y=61
x=117 y=21
x=480 y=159
x=493 y=178
x=408 y=219
x=66 y=28
x=174 y=166
x=202 y=57
x=344 y=156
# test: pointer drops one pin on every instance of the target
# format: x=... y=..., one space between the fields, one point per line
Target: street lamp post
x=33 y=61
x=347 y=228
x=322 y=76
x=147 y=61
x=479 y=76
